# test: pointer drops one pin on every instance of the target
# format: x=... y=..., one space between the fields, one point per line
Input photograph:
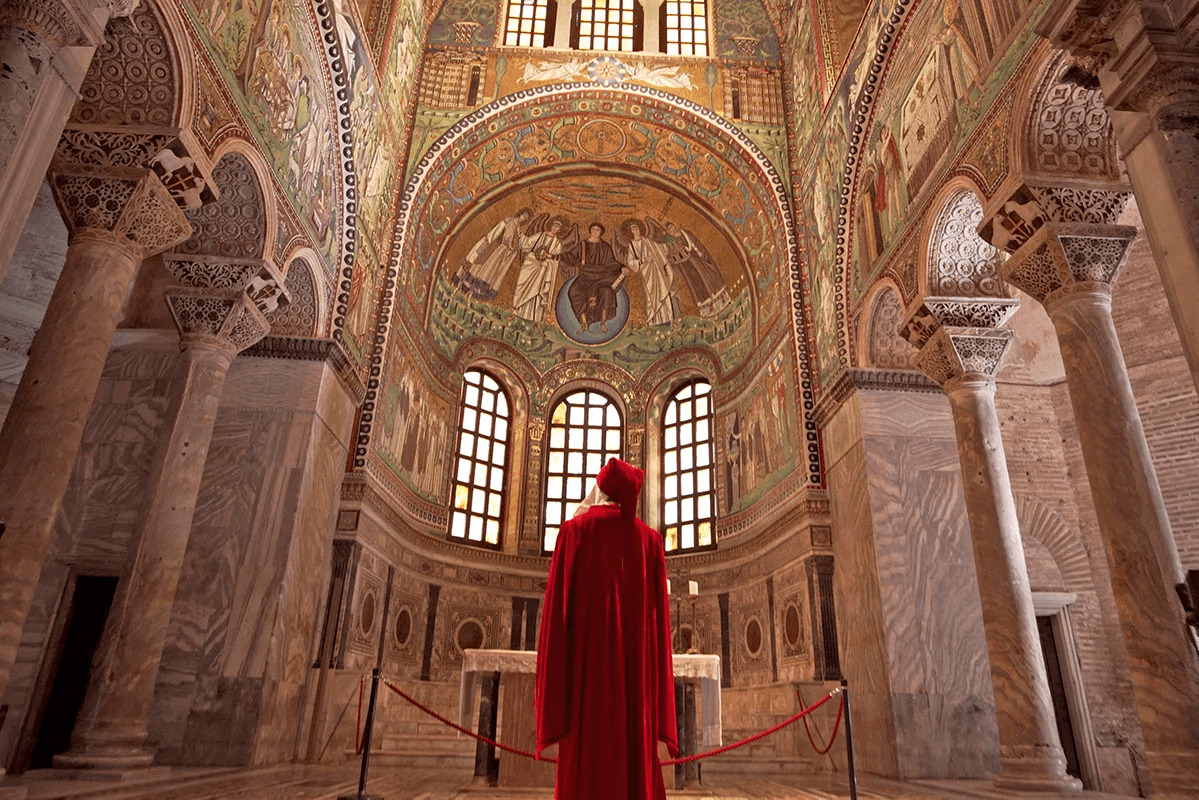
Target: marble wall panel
x=102 y=506
x=860 y=635
x=908 y=610
x=749 y=634
x=252 y=585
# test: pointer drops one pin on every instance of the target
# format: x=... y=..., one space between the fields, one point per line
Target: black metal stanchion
x=853 y=775
x=366 y=744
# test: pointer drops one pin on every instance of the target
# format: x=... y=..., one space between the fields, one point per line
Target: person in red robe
x=605 y=682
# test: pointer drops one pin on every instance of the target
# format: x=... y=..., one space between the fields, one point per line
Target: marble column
x=1143 y=55
x=961 y=348
x=116 y=216
x=215 y=324
x=1066 y=255
x=45 y=49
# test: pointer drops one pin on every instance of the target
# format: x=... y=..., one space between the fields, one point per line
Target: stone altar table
x=519 y=668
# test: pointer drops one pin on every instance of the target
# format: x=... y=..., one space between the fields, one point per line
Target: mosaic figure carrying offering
x=698 y=268
x=489 y=261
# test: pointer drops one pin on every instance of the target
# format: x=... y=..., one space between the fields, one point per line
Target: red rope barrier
x=358 y=725
x=670 y=762
x=461 y=729
x=756 y=736
x=836 y=726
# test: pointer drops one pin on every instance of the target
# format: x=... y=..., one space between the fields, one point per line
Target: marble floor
x=397 y=783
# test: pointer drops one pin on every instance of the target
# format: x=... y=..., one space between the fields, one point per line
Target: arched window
x=683 y=28
x=606 y=25
x=688 y=496
x=477 y=516
x=585 y=431
x=530 y=23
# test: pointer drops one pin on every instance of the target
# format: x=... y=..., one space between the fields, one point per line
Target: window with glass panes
x=585 y=431
x=477 y=515
x=684 y=28
x=528 y=22
x=606 y=25
x=688 y=495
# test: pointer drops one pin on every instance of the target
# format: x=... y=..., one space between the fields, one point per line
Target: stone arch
x=881 y=345
x=1069 y=131
x=235 y=226
x=302 y=315
x=135 y=77
x=958 y=263
x=1047 y=529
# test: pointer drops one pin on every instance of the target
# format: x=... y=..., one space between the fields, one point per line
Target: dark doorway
x=1057 y=691
x=86 y=616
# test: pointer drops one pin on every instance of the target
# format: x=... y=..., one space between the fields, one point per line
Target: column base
x=114 y=763
x=1035 y=769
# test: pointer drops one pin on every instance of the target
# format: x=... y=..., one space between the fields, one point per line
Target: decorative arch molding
x=957 y=262
x=302 y=316
x=667 y=374
x=759 y=184
x=1069 y=131
x=882 y=347
x=889 y=33
x=135 y=77
x=335 y=61
x=304 y=256
x=1042 y=524
x=503 y=359
x=609 y=380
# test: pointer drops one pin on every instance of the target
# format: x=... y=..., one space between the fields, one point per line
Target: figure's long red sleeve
x=553 y=643
x=666 y=722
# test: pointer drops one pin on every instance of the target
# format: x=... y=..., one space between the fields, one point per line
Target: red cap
x=622 y=482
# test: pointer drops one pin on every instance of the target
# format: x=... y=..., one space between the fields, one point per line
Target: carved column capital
x=224 y=301
x=61 y=23
x=258 y=278
x=225 y=319
x=959 y=338
x=129 y=185
x=1063 y=239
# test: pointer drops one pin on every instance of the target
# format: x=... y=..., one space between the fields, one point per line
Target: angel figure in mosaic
x=641 y=246
x=541 y=246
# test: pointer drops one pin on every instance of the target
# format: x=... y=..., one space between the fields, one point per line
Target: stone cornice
x=880 y=380
x=303 y=348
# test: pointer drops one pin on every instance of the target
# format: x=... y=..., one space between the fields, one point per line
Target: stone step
x=732 y=764
x=427 y=751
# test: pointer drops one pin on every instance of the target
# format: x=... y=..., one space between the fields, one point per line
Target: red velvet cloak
x=605 y=685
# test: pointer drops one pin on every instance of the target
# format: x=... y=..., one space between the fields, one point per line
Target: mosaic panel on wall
x=744 y=30
x=268 y=54
x=606 y=261
x=905 y=138
x=638 y=132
